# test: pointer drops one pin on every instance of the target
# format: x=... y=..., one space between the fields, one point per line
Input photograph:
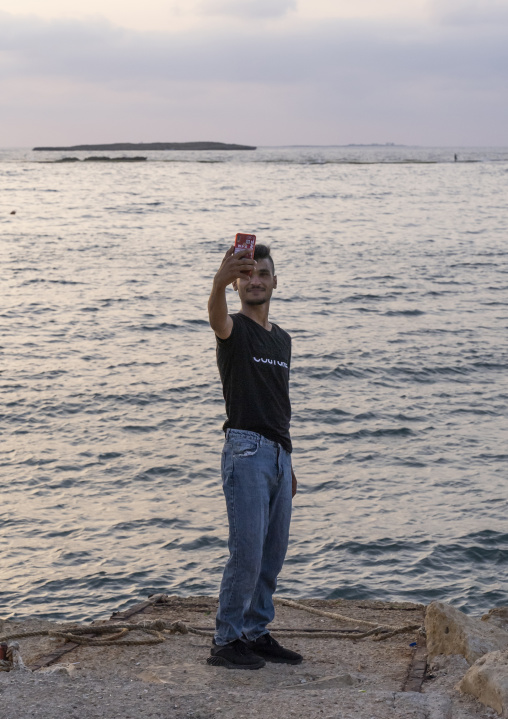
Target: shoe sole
x=221 y=662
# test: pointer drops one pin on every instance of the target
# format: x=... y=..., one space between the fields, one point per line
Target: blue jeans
x=256 y=476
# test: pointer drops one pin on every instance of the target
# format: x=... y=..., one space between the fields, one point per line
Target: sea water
x=393 y=282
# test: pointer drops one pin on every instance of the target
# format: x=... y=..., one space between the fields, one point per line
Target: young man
x=253 y=356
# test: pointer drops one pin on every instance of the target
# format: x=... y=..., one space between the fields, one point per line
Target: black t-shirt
x=254 y=369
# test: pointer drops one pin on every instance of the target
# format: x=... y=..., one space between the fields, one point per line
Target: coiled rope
x=117 y=631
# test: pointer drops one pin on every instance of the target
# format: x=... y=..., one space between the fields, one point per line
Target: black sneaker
x=235 y=655
x=267 y=647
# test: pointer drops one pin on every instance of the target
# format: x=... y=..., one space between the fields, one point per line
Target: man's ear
x=235 y=285
x=275 y=282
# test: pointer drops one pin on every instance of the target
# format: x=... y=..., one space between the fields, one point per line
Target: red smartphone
x=245 y=242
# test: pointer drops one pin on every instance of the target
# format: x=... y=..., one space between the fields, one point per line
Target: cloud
x=470 y=12
x=247 y=8
x=297 y=81
x=331 y=51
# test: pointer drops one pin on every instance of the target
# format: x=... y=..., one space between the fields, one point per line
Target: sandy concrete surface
x=338 y=678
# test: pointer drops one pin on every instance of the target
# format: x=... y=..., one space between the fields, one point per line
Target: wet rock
x=450 y=631
x=497 y=617
x=487 y=680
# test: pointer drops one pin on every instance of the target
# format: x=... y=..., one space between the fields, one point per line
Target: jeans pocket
x=244 y=448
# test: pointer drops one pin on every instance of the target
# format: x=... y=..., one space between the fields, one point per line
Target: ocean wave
x=363 y=434
x=203 y=542
x=160 y=326
x=404 y=313
x=112 y=408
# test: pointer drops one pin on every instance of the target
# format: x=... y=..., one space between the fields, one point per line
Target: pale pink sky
x=264 y=72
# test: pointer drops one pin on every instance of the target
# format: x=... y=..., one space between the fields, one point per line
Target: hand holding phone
x=245 y=242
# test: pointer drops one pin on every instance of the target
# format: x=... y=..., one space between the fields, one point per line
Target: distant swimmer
x=455 y=157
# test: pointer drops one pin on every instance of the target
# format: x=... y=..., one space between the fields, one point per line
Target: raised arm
x=231 y=268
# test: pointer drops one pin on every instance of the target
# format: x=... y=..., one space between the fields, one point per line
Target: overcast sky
x=263 y=72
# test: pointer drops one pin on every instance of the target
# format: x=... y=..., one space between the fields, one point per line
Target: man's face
x=257 y=289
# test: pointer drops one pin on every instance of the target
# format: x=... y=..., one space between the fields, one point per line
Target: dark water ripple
x=392 y=281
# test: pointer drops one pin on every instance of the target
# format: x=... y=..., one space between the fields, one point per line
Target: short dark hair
x=262 y=252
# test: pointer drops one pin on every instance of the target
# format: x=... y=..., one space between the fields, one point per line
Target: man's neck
x=258 y=313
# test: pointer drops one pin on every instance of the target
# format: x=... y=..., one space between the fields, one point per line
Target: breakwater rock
x=100 y=158
x=450 y=631
x=487 y=680
x=482 y=642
